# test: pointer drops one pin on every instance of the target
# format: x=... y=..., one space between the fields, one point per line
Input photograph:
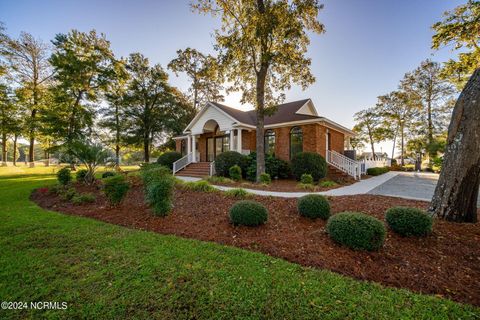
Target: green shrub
x=306 y=178
x=310 y=163
x=238 y=193
x=56 y=189
x=327 y=184
x=314 y=206
x=265 y=178
x=81 y=175
x=228 y=159
x=356 y=230
x=83 y=198
x=115 y=189
x=168 y=158
x=376 y=171
x=202 y=186
x=218 y=179
x=409 y=221
x=64 y=176
x=248 y=213
x=235 y=173
x=108 y=174
x=159 y=194
x=68 y=193
x=276 y=168
x=153 y=172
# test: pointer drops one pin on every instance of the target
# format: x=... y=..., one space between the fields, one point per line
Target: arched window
x=296 y=141
x=269 y=142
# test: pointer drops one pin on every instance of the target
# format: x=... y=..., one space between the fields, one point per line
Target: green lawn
x=106 y=271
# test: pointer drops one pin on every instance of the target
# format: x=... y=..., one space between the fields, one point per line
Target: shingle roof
x=285 y=113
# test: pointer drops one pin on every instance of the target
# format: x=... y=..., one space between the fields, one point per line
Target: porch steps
x=196 y=169
x=337 y=174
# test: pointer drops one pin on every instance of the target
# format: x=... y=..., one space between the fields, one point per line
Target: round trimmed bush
x=356 y=230
x=306 y=178
x=248 y=213
x=108 y=174
x=228 y=159
x=309 y=163
x=64 y=176
x=409 y=221
x=265 y=178
x=168 y=158
x=81 y=174
x=314 y=206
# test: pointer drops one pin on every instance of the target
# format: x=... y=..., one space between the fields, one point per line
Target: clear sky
x=367 y=47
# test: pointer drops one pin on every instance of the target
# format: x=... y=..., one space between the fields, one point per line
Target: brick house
x=294 y=127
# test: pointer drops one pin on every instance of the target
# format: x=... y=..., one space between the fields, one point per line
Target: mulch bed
x=283 y=185
x=446 y=263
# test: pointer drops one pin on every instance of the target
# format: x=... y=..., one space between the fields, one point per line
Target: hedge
x=409 y=221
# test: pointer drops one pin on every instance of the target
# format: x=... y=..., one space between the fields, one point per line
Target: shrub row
x=377 y=171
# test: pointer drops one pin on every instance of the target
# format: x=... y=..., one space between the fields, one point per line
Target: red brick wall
x=337 y=141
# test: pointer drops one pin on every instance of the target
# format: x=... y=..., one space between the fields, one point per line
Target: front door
x=217 y=145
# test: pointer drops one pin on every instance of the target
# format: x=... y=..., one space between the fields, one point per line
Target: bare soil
x=446 y=263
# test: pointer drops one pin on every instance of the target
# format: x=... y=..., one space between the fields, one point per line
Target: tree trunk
x=4 y=149
x=394 y=142
x=15 y=138
x=402 y=134
x=146 y=148
x=260 y=126
x=456 y=194
x=117 y=137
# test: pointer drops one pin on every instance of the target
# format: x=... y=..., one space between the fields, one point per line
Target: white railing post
x=182 y=162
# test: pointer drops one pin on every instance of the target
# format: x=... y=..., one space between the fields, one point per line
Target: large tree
x=7 y=118
x=84 y=67
x=262 y=45
x=460 y=28
x=145 y=100
x=28 y=65
x=369 y=127
x=204 y=72
x=457 y=190
x=398 y=109
x=435 y=95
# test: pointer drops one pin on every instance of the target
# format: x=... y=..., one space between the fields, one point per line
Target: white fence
x=366 y=164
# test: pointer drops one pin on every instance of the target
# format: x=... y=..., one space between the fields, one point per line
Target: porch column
x=232 y=137
x=194 y=148
x=189 y=144
x=239 y=140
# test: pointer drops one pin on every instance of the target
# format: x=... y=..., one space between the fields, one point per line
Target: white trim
x=308 y=109
x=180 y=137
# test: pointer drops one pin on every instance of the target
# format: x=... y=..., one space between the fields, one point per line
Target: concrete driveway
x=410 y=185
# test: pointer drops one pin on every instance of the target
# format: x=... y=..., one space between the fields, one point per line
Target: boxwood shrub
x=356 y=230
x=276 y=168
x=409 y=221
x=159 y=194
x=314 y=206
x=228 y=159
x=306 y=178
x=115 y=189
x=64 y=176
x=265 y=178
x=376 y=171
x=309 y=163
x=168 y=158
x=248 y=213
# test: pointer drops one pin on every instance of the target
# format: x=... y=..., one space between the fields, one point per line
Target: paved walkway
x=362 y=187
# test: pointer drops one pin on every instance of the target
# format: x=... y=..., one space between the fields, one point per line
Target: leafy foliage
x=64 y=176
x=276 y=168
x=265 y=178
x=376 y=171
x=314 y=206
x=409 y=221
x=235 y=173
x=83 y=198
x=168 y=158
x=248 y=213
x=92 y=155
x=356 y=230
x=238 y=193
x=327 y=184
x=108 y=174
x=306 y=178
x=201 y=186
x=115 y=188
x=309 y=163
x=158 y=184
x=226 y=160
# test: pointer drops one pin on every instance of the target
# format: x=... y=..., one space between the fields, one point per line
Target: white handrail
x=343 y=163
x=182 y=162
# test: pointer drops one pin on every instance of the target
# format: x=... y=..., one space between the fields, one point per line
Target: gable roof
x=286 y=112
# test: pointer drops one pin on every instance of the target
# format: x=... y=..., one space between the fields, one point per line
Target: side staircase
x=195 y=169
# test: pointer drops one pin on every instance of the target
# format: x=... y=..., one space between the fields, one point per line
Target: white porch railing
x=212 y=169
x=182 y=162
x=343 y=163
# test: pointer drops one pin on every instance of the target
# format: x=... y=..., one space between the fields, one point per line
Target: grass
x=106 y=271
